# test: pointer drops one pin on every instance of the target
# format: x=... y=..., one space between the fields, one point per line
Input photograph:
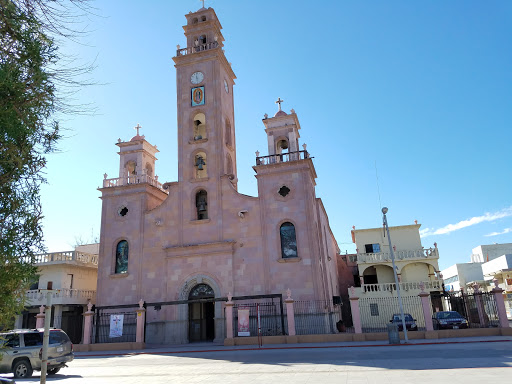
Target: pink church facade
x=198 y=237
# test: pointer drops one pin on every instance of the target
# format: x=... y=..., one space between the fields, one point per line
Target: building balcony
x=70 y=257
x=64 y=296
x=132 y=180
x=433 y=285
x=196 y=49
x=405 y=255
x=282 y=158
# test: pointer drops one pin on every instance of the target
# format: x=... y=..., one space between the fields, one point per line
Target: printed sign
x=243 y=322
x=197 y=96
x=116 y=325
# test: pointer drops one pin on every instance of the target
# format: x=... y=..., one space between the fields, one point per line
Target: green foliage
x=27 y=134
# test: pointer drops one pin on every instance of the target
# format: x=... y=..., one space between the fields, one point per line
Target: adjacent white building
x=484 y=253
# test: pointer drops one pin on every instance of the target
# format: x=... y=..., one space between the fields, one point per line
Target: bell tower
x=204 y=78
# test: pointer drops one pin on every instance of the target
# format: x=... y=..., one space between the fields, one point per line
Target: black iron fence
x=111 y=326
x=320 y=317
x=479 y=309
x=377 y=313
x=271 y=317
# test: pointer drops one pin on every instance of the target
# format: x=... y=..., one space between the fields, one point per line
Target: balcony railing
x=135 y=179
x=282 y=158
x=70 y=256
x=435 y=285
x=197 y=48
x=384 y=257
x=62 y=296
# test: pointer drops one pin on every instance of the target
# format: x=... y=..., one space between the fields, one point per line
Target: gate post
x=429 y=326
x=141 y=320
x=229 y=317
x=290 y=314
x=88 y=324
x=40 y=317
x=356 y=314
x=500 y=305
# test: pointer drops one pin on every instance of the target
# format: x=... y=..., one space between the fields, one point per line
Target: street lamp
x=384 y=211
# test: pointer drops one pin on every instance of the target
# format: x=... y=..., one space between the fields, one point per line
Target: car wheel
x=53 y=371
x=22 y=369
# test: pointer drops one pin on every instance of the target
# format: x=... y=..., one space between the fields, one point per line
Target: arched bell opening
x=200 y=165
x=130 y=168
x=201 y=314
x=199 y=123
x=202 y=205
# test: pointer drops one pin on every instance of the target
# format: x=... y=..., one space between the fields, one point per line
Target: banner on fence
x=243 y=322
x=116 y=325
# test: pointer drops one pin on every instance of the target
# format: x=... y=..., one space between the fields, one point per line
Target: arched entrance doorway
x=201 y=325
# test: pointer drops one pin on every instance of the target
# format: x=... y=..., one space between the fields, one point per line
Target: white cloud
x=507 y=212
x=506 y=230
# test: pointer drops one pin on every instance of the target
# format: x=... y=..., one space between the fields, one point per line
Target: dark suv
x=22 y=349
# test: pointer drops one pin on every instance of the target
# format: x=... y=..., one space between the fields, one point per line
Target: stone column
x=500 y=305
x=141 y=320
x=40 y=317
x=425 y=305
x=57 y=316
x=290 y=314
x=229 y=317
x=88 y=324
x=356 y=314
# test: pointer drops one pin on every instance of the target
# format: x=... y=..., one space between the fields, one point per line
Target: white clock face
x=226 y=87
x=197 y=77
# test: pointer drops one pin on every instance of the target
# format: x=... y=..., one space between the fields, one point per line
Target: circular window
x=284 y=191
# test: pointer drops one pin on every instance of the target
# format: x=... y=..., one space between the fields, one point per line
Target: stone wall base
x=377 y=336
x=108 y=347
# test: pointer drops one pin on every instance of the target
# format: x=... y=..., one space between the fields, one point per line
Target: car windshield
x=399 y=318
x=448 y=315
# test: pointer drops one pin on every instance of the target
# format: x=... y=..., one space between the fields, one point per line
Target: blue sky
x=416 y=95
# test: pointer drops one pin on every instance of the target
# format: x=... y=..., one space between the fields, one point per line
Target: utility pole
x=46 y=335
x=384 y=211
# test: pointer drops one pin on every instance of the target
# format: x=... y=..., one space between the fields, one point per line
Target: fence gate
x=115 y=324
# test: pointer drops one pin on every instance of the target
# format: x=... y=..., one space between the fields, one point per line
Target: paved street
x=453 y=363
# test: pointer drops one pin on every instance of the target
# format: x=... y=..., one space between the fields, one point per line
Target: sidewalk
x=211 y=347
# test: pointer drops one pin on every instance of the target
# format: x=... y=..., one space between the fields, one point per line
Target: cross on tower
x=279 y=101
x=202 y=2
x=137 y=129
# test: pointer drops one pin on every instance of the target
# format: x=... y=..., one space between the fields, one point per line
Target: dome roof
x=280 y=113
x=137 y=138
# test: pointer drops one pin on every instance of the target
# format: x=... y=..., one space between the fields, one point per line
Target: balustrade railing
x=197 y=48
x=433 y=285
x=282 y=158
x=399 y=255
x=63 y=294
x=86 y=258
x=135 y=179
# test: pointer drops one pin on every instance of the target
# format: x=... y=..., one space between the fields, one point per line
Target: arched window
x=131 y=168
x=200 y=164
x=199 y=124
x=288 y=240
x=202 y=205
x=201 y=291
x=122 y=257
x=227 y=134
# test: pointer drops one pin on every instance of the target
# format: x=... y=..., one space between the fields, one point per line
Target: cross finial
x=279 y=101
x=137 y=129
x=202 y=2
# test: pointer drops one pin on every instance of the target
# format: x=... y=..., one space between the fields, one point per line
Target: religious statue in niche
x=122 y=257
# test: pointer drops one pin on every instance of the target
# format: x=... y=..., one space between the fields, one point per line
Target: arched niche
x=201 y=165
x=199 y=123
x=228 y=134
x=201 y=202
